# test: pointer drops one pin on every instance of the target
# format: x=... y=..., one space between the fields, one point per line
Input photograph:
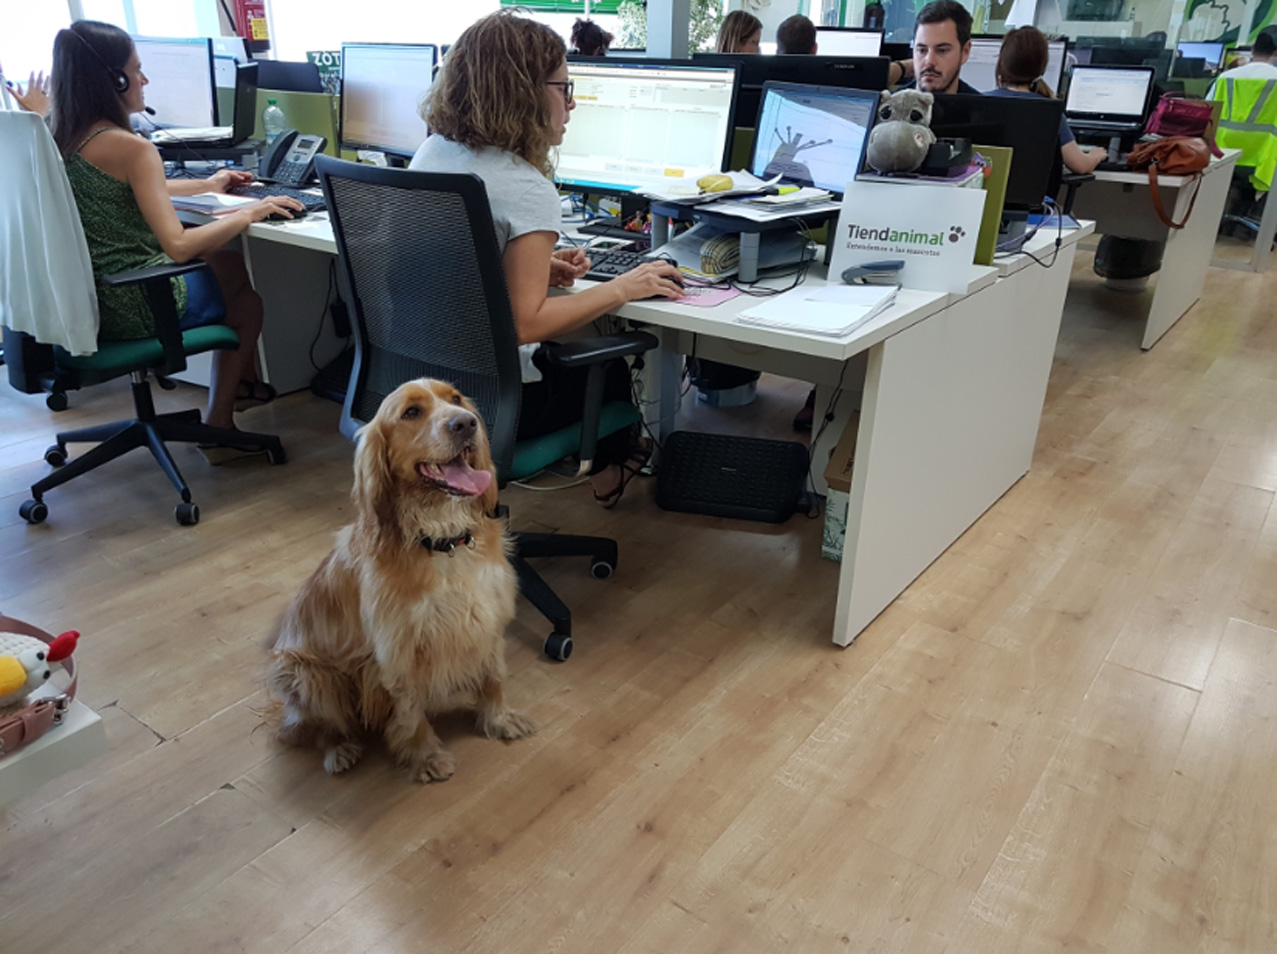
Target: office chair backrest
x=419 y=255
x=46 y=278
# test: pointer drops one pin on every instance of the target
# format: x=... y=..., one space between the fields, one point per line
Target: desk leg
x=1188 y=254
x=293 y=283
x=664 y=375
x=948 y=424
x=1264 y=240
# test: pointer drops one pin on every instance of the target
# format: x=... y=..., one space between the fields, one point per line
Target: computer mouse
x=281 y=217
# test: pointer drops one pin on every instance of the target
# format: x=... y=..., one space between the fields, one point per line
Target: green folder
x=995 y=185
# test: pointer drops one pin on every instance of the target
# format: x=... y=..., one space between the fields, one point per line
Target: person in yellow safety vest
x=1248 y=121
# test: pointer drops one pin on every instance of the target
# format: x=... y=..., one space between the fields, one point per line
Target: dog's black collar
x=448 y=545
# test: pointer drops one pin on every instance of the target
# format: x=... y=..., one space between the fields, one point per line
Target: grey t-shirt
x=521 y=198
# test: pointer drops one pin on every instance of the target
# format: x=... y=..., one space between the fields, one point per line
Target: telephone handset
x=290 y=159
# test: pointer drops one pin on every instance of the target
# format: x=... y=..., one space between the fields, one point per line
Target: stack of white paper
x=833 y=310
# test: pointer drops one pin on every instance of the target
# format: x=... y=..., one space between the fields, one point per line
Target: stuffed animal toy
x=902 y=135
x=25 y=664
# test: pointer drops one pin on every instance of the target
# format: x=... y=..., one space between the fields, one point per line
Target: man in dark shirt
x=941 y=44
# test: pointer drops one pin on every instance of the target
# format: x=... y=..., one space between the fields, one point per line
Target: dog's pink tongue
x=464 y=479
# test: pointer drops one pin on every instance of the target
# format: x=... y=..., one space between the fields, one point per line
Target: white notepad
x=833 y=310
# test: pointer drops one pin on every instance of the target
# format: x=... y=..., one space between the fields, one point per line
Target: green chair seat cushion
x=538 y=453
x=115 y=358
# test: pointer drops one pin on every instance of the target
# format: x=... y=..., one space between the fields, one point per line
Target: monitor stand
x=1014 y=230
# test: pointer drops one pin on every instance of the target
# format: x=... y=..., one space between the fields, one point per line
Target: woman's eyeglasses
x=568 y=87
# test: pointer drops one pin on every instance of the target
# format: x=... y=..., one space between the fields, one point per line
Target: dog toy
x=902 y=135
x=25 y=664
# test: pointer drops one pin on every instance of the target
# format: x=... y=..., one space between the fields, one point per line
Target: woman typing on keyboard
x=129 y=222
x=498 y=107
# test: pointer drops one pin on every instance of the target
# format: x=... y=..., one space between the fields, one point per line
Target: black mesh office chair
x=428 y=299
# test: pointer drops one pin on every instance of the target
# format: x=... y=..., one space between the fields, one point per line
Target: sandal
x=630 y=468
x=253 y=394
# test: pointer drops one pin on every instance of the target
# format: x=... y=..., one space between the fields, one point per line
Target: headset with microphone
x=119 y=79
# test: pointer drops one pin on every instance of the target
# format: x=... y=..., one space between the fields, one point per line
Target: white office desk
x=1121 y=205
x=951 y=392
x=950 y=389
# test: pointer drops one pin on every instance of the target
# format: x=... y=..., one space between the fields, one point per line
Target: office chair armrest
x=1071 y=181
x=159 y=296
x=588 y=351
x=591 y=353
x=139 y=275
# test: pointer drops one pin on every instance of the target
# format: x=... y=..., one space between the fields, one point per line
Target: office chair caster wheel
x=57 y=401
x=276 y=456
x=36 y=511
x=558 y=646
x=601 y=569
x=187 y=514
x=55 y=456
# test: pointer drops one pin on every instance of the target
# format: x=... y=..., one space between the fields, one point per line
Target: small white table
x=64 y=747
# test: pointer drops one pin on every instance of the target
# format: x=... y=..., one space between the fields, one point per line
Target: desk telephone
x=290 y=159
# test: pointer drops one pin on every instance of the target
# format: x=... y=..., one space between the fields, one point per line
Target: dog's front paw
x=433 y=767
x=508 y=724
x=341 y=757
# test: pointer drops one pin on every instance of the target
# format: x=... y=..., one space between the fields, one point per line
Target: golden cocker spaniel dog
x=407 y=614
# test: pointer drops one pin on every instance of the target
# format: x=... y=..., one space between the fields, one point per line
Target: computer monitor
x=181 y=80
x=382 y=85
x=848 y=41
x=980 y=69
x=290 y=76
x=844 y=72
x=896 y=51
x=1212 y=53
x=1108 y=97
x=646 y=124
x=1030 y=125
x=812 y=135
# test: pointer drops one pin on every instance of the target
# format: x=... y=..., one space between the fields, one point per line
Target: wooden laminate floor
x=1063 y=736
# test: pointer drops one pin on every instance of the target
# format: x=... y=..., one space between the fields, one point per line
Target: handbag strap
x=1160 y=209
x=22 y=727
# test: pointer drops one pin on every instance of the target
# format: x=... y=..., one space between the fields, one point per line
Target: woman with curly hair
x=499 y=106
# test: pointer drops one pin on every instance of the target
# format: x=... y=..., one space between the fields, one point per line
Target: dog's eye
x=916 y=116
x=456 y=399
x=411 y=412
x=884 y=113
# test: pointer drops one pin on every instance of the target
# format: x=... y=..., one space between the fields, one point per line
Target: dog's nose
x=463 y=425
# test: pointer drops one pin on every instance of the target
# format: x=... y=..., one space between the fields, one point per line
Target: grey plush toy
x=901 y=137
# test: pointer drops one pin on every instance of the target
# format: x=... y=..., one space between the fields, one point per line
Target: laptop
x=244 y=118
x=812 y=135
x=1111 y=99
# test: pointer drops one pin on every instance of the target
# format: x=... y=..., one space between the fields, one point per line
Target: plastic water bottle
x=273 y=120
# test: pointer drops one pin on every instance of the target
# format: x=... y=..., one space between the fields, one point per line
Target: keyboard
x=607 y=265
x=259 y=190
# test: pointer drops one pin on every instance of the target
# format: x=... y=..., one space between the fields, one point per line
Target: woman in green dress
x=125 y=207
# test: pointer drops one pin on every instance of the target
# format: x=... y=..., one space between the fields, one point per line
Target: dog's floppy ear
x=483 y=458
x=372 y=490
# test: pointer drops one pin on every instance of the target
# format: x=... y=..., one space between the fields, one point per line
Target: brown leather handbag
x=1172 y=156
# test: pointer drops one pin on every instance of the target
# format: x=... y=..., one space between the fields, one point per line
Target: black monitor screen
x=1029 y=125
x=813 y=135
x=845 y=72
